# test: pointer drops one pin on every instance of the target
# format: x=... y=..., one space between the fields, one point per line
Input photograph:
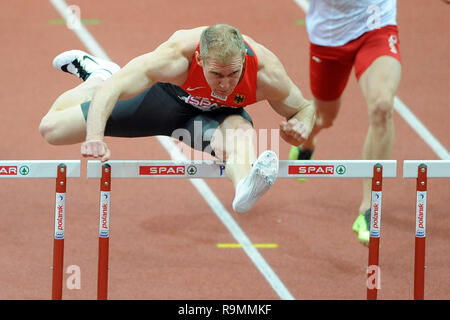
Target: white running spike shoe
x=262 y=176
x=83 y=65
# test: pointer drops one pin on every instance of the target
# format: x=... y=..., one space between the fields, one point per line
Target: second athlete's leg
x=378 y=70
x=379 y=85
x=326 y=113
x=328 y=79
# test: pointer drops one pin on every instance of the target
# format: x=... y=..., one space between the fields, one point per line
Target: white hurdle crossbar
x=421 y=170
x=214 y=169
x=374 y=169
x=37 y=168
x=435 y=168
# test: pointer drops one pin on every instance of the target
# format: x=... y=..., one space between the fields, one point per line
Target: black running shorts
x=159 y=111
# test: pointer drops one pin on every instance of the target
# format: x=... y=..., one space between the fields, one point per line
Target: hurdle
x=59 y=170
x=142 y=169
x=422 y=170
x=103 y=234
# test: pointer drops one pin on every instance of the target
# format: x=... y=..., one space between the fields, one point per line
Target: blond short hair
x=223 y=42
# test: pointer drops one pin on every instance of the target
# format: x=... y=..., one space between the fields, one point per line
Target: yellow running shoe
x=297 y=153
x=362 y=227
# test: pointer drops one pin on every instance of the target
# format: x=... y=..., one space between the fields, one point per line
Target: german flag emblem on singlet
x=239 y=98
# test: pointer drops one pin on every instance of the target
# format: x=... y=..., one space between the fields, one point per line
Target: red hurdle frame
x=367 y=169
x=58 y=238
x=103 y=240
x=375 y=226
x=419 y=255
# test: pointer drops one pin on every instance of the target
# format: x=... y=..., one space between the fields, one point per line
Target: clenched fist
x=294 y=132
x=96 y=149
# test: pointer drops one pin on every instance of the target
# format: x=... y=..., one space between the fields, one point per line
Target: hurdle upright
x=422 y=170
x=373 y=169
x=103 y=234
x=59 y=170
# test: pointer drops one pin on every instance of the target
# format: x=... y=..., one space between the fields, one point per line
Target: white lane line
x=406 y=113
x=202 y=187
x=420 y=129
x=303 y=4
x=83 y=34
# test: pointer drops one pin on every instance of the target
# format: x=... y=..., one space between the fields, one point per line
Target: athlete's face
x=222 y=77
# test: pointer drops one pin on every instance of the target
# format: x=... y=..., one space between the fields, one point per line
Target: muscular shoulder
x=170 y=61
x=272 y=79
x=184 y=42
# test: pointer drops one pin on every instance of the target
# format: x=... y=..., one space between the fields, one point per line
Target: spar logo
x=162 y=170
x=8 y=170
x=13 y=171
x=341 y=169
x=203 y=103
x=310 y=169
x=24 y=170
x=192 y=170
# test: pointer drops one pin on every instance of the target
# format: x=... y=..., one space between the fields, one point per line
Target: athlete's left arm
x=275 y=86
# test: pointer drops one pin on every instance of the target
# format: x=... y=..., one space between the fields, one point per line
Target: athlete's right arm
x=167 y=63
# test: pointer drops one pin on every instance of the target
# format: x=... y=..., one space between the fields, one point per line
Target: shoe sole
x=265 y=173
x=267 y=166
